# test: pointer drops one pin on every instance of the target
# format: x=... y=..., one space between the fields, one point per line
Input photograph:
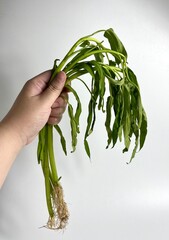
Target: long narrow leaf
x=109 y=105
x=62 y=139
x=143 y=130
x=115 y=43
x=73 y=127
x=78 y=108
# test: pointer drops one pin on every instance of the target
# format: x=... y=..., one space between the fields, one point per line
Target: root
x=61 y=215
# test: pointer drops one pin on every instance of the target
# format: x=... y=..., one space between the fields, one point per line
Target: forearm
x=10 y=146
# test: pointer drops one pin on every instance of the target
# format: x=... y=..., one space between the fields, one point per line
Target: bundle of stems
x=113 y=89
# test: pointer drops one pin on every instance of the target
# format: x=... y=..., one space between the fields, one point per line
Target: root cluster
x=61 y=215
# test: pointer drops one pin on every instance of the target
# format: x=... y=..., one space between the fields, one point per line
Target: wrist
x=10 y=146
x=10 y=132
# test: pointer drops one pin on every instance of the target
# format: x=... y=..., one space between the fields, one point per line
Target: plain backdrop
x=107 y=198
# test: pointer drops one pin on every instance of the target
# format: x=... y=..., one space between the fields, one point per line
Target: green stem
x=46 y=171
x=51 y=154
x=114 y=53
x=72 y=52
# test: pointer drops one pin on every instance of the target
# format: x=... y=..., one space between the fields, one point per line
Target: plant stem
x=92 y=53
x=46 y=171
x=51 y=154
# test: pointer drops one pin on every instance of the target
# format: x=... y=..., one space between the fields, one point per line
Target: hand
x=36 y=105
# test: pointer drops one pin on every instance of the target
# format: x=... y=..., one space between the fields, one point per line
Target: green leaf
x=108 y=75
x=118 y=106
x=89 y=119
x=100 y=78
x=87 y=148
x=126 y=116
x=109 y=105
x=73 y=125
x=99 y=57
x=115 y=43
x=78 y=108
x=89 y=68
x=136 y=145
x=62 y=139
x=132 y=77
x=143 y=130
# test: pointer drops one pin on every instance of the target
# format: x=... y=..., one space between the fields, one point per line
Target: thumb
x=55 y=88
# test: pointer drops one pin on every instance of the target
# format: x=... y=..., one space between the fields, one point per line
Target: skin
x=37 y=104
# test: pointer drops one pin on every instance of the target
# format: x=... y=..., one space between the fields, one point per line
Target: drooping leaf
x=115 y=43
x=100 y=79
x=87 y=148
x=143 y=130
x=78 y=108
x=62 y=139
x=89 y=119
x=126 y=117
x=109 y=106
x=73 y=125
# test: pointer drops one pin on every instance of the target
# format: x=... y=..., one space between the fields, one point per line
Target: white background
x=107 y=198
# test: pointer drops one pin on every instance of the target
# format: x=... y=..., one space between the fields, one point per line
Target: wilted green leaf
x=73 y=125
x=115 y=43
x=62 y=139
x=143 y=130
x=109 y=105
x=87 y=148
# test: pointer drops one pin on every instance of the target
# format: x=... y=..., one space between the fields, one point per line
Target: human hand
x=36 y=105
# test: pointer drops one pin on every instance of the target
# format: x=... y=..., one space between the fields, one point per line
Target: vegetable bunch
x=113 y=89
